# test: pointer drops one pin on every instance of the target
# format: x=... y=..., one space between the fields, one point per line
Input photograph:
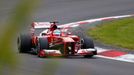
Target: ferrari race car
x=47 y=39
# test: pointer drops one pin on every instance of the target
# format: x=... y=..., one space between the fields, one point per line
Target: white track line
x=126 y=58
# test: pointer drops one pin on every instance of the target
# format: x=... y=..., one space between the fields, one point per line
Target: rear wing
x=45 y=25
x=41 y=25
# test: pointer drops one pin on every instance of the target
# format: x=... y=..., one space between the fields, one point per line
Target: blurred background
x=15 y=15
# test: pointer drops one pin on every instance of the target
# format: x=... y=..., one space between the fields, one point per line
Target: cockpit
x=57 y=32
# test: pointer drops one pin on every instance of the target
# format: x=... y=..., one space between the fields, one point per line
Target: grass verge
x=116 y=32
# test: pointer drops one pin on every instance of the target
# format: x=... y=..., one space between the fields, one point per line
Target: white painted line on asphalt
x=123 y=16
x=124 y=58
x=97 y=19
x=100 y=50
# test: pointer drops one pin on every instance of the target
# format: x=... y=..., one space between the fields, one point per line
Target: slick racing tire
x=24 y=43
x=43 y=44
x=88 y=43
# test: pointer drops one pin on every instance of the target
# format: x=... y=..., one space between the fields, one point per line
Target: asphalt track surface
x=67 y=11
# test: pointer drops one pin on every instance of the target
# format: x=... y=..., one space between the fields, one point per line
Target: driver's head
x=57 y=32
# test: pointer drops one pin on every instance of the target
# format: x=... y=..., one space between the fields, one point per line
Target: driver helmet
x=57 y=32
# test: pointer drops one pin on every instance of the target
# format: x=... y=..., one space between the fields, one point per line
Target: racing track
x=67 y=11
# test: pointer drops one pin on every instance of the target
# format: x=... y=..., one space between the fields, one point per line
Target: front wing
x=80 y=52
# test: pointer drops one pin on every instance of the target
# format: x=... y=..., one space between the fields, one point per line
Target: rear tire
x=43 y=44
x=24 y=43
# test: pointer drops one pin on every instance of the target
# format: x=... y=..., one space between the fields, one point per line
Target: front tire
x=88 y=43
x=43 y=44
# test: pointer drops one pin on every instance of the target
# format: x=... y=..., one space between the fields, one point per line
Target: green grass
x=116 y=32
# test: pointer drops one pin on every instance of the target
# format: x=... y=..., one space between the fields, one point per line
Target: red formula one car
x=48 y=39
